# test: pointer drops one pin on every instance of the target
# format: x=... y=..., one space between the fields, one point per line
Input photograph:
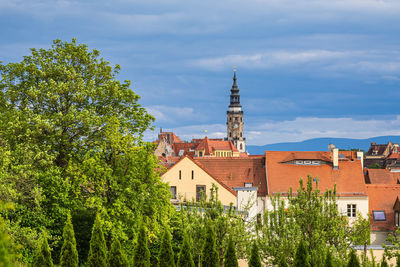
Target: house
x=381 y=155
x=343 y=169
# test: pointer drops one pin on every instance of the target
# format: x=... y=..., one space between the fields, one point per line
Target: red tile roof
x=382 y=176
x=281 y=176
x=210 y=145
x=236 y=171
x=382 y=197
x=394 y=156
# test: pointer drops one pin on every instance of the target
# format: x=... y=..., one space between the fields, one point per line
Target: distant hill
x=321 y=144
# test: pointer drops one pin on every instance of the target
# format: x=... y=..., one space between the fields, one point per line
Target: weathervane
x=234 y=68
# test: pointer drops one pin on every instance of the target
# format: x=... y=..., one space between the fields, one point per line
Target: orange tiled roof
x=394 y=156
x=210 y=145
x=236 y=171
x=382 y=176
x=382 y=197
x=349 y=177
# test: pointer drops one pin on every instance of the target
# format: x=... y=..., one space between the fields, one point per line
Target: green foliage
x=353 y=259
x=141 y=256
x=282 y=262
x=71 y=139
x=69 y=254
x=230 y=259
x=398 y=261
x=117 y=257
x=307 y=215
x=185 y=255
x=166 y=255
x=98 y=250
x=301 y=257
x=384 y=262
x=83 y=220
x=328 y=259
x=255 y=260
x=6 y=257
x=209 y=255
x=43 y=255
x=374 y=166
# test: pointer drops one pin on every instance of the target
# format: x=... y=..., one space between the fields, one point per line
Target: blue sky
x=327 y=68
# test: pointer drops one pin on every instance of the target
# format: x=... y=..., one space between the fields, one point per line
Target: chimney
x=335 y=158
x=331 y=147
x=360 y=156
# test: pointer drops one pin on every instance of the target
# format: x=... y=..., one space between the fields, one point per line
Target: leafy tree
x=255 y=260
x=43 y=255
x=6 y=257
x=301 y=257
x=360 y=232
x=308 y=215
x=230 y=259
x=98 y=250
x=209 y=256
x=353 y=259
x=141 y=257
x=166 y=255
x=282 y=262
x=185 y=255
x=73 y=135
x=69 y=254
x=117 y=257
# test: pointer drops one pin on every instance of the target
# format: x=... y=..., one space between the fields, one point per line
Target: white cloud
x=168 y=114
x=302 y=128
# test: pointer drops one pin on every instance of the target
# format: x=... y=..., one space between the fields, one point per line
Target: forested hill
x=321 y=144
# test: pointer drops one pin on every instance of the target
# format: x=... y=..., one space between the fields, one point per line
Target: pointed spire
x=235 y=97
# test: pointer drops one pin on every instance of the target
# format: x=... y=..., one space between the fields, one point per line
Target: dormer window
x=299 y=162
x=248 y=184
x=307 y=162
x=316 y=162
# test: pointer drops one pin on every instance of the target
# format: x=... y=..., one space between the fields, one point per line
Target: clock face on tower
x=235 y=125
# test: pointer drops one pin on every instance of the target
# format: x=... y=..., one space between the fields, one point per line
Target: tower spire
x=235 y=96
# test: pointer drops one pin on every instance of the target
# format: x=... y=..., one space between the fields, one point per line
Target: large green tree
x=98 y=249
x=141 y=255
x=166 y=254
x=117 y=257
x=230 y=259
x=42 y=256
x=209 y=255
x=71 y=136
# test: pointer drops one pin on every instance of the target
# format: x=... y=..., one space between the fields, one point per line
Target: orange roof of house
x=236 y=171
x=183 y=146
x=281 y=176
x=382 y=197
x=382 y=176
x=210 y=145
x=394 y=156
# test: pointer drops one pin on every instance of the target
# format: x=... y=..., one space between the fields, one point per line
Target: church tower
x=234 y=120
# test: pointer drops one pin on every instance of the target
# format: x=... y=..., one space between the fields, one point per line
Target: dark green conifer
x=398 y=260
x=185 y=255
x=384 y=262
x=282 y=262
x=98 y=250
x=69 y=254
x=166 y=255
x=328 y=259
x=255 y=260
x=230 y=259
x=209 y=256
x=353 y=259
x=42 y=256
x=117 y=257
x=141 y=257
x=301 y=258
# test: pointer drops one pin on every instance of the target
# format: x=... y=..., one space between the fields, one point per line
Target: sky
x=305 y=68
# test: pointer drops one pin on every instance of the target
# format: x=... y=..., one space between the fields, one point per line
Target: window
x=192 y=175
x=240 y=134
x=379 y=215
x=396 y=218
x=230 y=134
x=299 y=162
x=248 y=184
x=200 y=191
x=236 y=118
x=308 y=162
x=315 y=162
x=230 y=118
x=351 y=210
x=241 y=146
x=200 y=153
x=173 y=191
x=180 y=174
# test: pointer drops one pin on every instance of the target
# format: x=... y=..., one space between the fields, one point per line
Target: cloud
x=299 y=129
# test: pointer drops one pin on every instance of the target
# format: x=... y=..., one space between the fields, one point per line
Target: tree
x=42 y=256
x=73 y=135
x=360 y=232
x=255 y=260
x=209 y=255
x=185 y=256
x=282 y=262
x=307 y=215
x=6 y=257
x=328 y=259
x=230 y=259
x=141 y=256
x=353 y=259
x=301 y=257
x=98 y=250
x=117 y=257
x=384 y=262
x=166 y=255
x=69 y=254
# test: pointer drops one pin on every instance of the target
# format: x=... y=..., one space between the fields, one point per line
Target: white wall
x=361 y=205
x=247 y=201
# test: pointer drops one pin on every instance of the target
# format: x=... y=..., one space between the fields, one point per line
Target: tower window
x=241 y=146
x=236 y=118
x=230 y=134
x=241 y=119
x=180 y=174
x=240 y=134
x=192 y=175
